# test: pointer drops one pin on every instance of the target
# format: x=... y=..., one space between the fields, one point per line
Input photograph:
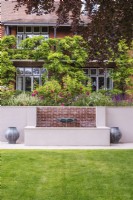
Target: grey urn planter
x=115 y=135
x=12 y=135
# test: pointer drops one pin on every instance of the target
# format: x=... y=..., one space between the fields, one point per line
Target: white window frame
x=29 y=75
x=97 y=76
x=32 y=33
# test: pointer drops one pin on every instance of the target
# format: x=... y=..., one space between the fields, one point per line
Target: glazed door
x=28 y=83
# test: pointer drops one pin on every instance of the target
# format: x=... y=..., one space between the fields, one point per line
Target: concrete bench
x=67 y=136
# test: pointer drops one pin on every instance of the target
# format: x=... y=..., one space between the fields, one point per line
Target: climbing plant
x=7 y=70
x=122 y=74
x=102 y=23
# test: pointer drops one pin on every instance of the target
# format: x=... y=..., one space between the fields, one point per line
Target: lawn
x=66 y=174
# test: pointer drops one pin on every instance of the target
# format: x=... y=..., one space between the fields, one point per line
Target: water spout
x=66 y=120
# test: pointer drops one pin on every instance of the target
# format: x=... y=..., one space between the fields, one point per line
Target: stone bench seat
x=66 y=136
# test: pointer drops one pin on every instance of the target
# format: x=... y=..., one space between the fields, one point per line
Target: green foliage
x=72 y=88
x=98 y=99
x=122 y=74
x=49 y=92
x=23 y=99
x=67 y=57
x=81 y=100
x=36 y=47
x=7 y=42
x=94 y=99
x=61 y=56
x=31 y=43
x=64 y=59
x=5 y=94
x=54 y=93
x=7 y=70
x=64 y=63
x=42 y=51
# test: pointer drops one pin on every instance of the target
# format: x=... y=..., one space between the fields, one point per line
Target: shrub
x=81 y=100
x=5 y=94
x=54 y=93
x=94 y=99
x=24 y=100
x=99 y=99
x=48 y=92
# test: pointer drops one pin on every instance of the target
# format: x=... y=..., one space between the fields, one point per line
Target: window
x=44 y=29
x=36 y=29
x=29 y=31
x=20 y=29
x=100 y=78
x=29 y=78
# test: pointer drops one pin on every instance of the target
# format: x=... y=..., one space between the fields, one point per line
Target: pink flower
x=35 y=92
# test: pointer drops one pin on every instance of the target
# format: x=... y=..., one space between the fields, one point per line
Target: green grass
x=66 y=174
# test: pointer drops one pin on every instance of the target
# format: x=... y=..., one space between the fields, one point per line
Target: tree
x=109 y=21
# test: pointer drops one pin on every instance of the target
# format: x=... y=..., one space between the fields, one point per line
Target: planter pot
x=12 y=135
x=115 y=135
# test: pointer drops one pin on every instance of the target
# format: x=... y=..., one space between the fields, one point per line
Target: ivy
x=63 y=58
x=122 y=74
x=7 y=70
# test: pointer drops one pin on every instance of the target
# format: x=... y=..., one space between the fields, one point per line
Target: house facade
x=22 y=26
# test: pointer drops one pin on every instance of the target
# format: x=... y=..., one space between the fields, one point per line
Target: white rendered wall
x=18 y=116
x=22 y=116
x=121 y=117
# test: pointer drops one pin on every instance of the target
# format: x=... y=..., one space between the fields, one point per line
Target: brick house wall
x=2 y=31
x=63 y=31
x=60 y=32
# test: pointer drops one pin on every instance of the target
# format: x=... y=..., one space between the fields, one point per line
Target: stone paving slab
x=5 y=145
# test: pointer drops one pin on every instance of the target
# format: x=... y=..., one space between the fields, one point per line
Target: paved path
x=5 y=145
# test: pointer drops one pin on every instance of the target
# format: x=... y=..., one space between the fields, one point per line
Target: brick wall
x=48 y=116
x=63 y=31
x=60 y=33
x=2 y=31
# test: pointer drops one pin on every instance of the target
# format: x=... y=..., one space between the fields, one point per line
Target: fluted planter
x=115 y=135
x=12 y=135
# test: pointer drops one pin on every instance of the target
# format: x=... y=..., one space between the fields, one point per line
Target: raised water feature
x=68 y=126
x=66 y=116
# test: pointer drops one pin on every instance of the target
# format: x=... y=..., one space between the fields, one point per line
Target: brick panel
x=2 y=31
x=48 y=116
